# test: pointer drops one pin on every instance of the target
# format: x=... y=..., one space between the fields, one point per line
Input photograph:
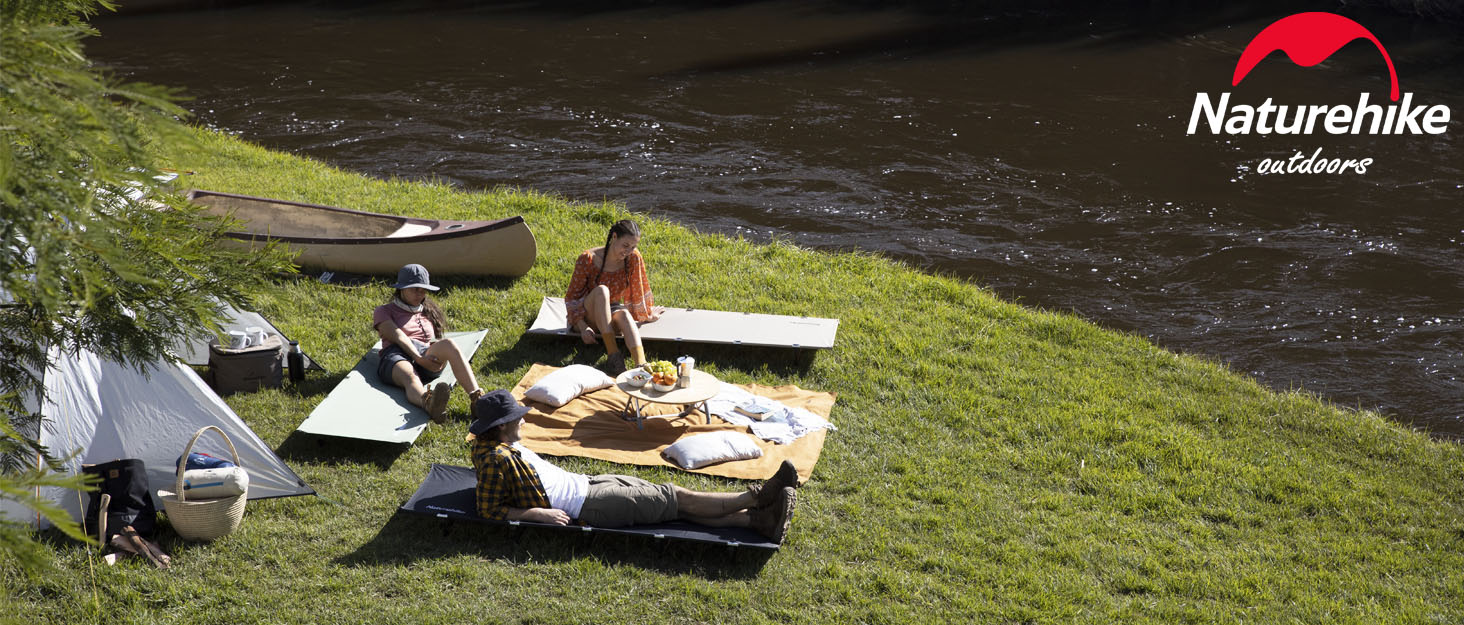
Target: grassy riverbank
x=993 y=464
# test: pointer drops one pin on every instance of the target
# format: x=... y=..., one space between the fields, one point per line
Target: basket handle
x=178 y=482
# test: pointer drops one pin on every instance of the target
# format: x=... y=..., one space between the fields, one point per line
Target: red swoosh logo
x=1308 y=39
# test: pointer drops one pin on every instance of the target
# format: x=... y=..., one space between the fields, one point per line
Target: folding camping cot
x=693 y=325
x=450 y=493
x=362 y=407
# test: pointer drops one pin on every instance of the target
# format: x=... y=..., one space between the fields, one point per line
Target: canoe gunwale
x=469 y=227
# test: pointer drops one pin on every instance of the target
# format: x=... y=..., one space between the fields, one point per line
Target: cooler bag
x=247 y=369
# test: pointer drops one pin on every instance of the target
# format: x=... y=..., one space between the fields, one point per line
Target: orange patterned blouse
x=628 y=286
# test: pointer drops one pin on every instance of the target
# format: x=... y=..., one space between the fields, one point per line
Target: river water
x=1041 y=153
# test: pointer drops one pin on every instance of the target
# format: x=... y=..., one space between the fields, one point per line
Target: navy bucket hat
x=494 y=409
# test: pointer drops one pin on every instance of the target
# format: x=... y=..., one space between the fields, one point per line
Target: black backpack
x=132 y=504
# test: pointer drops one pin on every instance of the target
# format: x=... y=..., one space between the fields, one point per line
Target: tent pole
x=37 y=524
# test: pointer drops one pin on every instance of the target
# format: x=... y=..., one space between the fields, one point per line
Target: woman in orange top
x=609 y=291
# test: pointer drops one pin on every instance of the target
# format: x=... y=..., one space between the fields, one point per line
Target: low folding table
x=703 y=386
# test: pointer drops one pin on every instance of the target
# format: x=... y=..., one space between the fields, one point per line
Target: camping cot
x=449 y=493
x=364 y=408
x=722 y=327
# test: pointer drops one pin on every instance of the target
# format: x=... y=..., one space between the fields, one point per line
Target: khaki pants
x=620 y=500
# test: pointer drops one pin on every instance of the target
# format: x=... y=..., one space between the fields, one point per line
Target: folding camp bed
x=711 y=326
x=450 y=493
x=364 y=408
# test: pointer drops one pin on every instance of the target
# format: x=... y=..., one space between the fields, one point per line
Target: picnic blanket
x=362 y=407
x=591 y=426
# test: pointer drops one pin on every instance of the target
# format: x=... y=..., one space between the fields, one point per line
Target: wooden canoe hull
x=338 y=239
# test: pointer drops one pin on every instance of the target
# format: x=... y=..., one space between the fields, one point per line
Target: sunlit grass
x=993 y=463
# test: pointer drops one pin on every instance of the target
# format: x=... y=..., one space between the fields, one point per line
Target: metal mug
x=684 y=366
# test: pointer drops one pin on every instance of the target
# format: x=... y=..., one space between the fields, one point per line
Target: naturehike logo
x=1308 y=39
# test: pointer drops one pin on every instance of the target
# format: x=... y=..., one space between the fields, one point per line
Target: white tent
x=111 y=411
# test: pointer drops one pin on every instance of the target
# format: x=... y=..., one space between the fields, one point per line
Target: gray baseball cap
x=413 y=275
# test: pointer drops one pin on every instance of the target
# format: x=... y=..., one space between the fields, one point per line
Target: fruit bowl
x=637 y=378
x=664 y=388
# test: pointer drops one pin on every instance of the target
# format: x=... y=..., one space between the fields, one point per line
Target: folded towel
x=781 y=424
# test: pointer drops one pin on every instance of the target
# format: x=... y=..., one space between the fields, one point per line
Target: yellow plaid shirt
x=505 y=480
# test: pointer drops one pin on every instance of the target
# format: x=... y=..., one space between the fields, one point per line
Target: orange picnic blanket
x=591 y=426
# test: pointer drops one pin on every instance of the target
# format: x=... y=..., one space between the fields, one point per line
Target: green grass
x=993 y=464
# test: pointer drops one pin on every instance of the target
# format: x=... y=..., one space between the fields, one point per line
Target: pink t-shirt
x=414 y=325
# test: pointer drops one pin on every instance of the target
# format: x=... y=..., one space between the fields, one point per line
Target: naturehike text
x=1268 y=118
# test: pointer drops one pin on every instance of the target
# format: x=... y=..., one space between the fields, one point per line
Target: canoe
x=340 y=239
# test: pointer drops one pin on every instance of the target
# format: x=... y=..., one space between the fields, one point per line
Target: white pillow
x=695 y=452
x=556 y=389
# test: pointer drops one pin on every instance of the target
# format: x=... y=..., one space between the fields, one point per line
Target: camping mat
x=711 y=326
x=591 y=426
x=362 y=407
x=449 y=493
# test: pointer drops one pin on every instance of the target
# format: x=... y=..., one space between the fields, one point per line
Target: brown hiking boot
x=436 y=402
x=772 y=521
x=768 y=492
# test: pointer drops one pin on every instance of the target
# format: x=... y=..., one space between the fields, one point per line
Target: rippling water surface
x=1042 y=154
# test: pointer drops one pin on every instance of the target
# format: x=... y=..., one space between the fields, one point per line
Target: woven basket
x=203 y=519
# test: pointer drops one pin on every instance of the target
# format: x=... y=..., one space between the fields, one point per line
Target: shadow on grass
x=560 y=351
x=408 y=539
x=779 y=361
x=344 y=278
x=495 y=284
x=332 y=450
x=317 y=384
x=329 y=450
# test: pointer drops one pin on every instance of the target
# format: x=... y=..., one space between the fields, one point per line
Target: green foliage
x=84 y=263
x=52 y=11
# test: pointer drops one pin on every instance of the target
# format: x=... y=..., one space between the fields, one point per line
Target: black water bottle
x=296 y=359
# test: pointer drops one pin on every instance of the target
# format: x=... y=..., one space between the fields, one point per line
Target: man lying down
x=514 y=483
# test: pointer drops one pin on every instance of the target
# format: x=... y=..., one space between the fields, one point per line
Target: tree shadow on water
x=921 y=27
x=933 y=28
x=408 y=539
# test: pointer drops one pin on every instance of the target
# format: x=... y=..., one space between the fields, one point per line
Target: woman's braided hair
x=622 y=228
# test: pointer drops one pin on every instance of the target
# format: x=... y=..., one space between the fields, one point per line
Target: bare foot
x=589 y=336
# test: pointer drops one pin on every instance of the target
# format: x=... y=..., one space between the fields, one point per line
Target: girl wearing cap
x=413 y=352
x=609 y=291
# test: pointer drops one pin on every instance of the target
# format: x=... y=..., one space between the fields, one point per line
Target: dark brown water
x=1042 y=154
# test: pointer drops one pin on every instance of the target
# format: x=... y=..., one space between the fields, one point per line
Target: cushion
x=695 y=452
x=556 y=389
